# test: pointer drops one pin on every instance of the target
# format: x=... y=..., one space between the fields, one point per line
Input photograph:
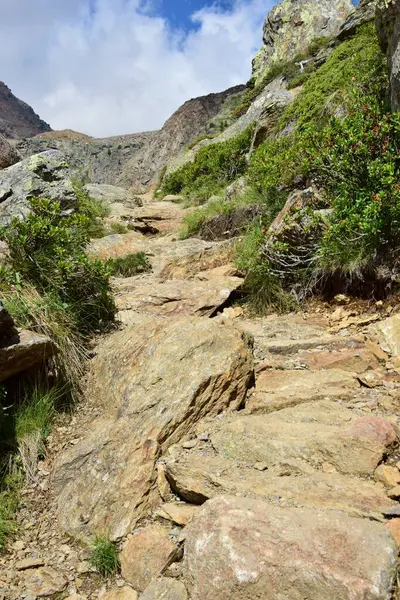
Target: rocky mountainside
x=293 y=24
x=134 y=161
x=17 y=119
x=219 y=449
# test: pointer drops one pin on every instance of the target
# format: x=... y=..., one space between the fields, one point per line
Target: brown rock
x=394 y=492
x=376 y=351
x=124 y=593
x=173 y=297
x=29 y=563
x=353 y=360
x=394 y=528
x=154 y=382
x=145 y=555
x=388 y=333
x=165 y=589
x=22 y=351
x=44 y=581
x=389 y=476
x=280 y=389
x=177 y=512
x=241 y=548
x=162 y=483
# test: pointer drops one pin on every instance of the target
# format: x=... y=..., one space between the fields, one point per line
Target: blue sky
x=179 y=12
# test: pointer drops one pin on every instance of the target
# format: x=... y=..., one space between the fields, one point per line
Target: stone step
x=280 y=389
x=307 y=435
x=173 y=297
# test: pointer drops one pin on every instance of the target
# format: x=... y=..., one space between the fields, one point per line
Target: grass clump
x=200 y=138
x=213 y=168
x=104 y=556
x=131 y=265
x=10 y=488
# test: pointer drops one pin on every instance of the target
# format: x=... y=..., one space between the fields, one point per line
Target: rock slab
x=154 y=382
x=244 y=549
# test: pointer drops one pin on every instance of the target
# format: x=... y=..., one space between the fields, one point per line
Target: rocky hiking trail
x=229 y=456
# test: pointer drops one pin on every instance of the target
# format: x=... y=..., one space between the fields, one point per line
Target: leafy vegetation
x=104 y=556
x=213 y=168
x=131 y=265
x=10 y=488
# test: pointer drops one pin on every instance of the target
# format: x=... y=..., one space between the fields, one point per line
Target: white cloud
x=121 y=68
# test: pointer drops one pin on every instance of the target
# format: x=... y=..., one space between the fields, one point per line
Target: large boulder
x=44 y=175
x=388 y=27
x=110 y=194
x=153 y=382
x=292 y=25
x=23 y=350
x=8 y=154
x=240 y=548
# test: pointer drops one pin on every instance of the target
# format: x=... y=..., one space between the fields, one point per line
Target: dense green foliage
x=131 y=265
x=104 y=556
x=47 y=250
x=213 y=168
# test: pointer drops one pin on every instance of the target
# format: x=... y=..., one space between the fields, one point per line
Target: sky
x=110 y=67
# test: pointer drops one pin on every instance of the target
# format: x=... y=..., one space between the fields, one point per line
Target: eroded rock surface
x=245 y=549
x=155 y=381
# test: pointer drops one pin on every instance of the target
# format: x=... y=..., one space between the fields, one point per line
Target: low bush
x=213 y=168
x=104 y=556
x=47 y=251
x=131 y=265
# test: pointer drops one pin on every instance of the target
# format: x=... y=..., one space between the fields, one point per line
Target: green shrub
x=47 y=250
x=213 y=168
x=104 y=556
x=200 y=138
x=131 y=265
x=94 y=210
x=117 y=227
x=356 y=60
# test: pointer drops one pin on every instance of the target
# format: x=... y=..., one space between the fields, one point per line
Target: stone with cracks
x=165 y=589
x=44 y=582
x=244 y=549
x=154 y=382
x=146 y=554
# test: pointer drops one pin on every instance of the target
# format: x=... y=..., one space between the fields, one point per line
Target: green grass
x=117 y=227
x=200 y=138
x=104 y=556
x=131 y=265
x=10 y=488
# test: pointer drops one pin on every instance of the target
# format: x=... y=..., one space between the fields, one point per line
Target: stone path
x=254 y=458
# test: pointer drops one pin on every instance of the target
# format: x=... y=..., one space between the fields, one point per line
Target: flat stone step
x=281 y=389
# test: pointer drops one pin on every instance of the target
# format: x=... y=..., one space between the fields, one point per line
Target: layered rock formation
x=293 y=24
x=17 y=119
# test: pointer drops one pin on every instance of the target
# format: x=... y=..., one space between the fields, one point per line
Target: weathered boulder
x=388 y=27
x=146 y=554
x=22 y=351
x=44 y=175
x=44 y=582
x=387 y=332
x=292 y=25
x=153 y=382
x=8 y=154
x=165 y=589
x=110 y=194
x=363 y=13
x=173 y=297
x=240 y=548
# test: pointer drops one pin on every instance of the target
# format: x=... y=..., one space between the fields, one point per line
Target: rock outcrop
x=17 y=119
x=45 y=175
x=242 y=549
x=134 y=161
x=154 y=382
x=292 y=25
x=388 y=27
x=8 y=154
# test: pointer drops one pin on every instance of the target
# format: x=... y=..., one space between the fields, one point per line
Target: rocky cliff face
x=293 y=24
x=134 y=161
x=388 y=27
x=17 y=119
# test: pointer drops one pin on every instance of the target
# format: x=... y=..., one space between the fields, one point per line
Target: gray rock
x=388 y=28
x=111 y=194
x=8 y=154
x=165 y=589
x=45 y=175
x=292 y=25
x=363 y=13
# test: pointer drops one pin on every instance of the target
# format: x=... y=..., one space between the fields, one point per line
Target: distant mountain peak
x=17 y=119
